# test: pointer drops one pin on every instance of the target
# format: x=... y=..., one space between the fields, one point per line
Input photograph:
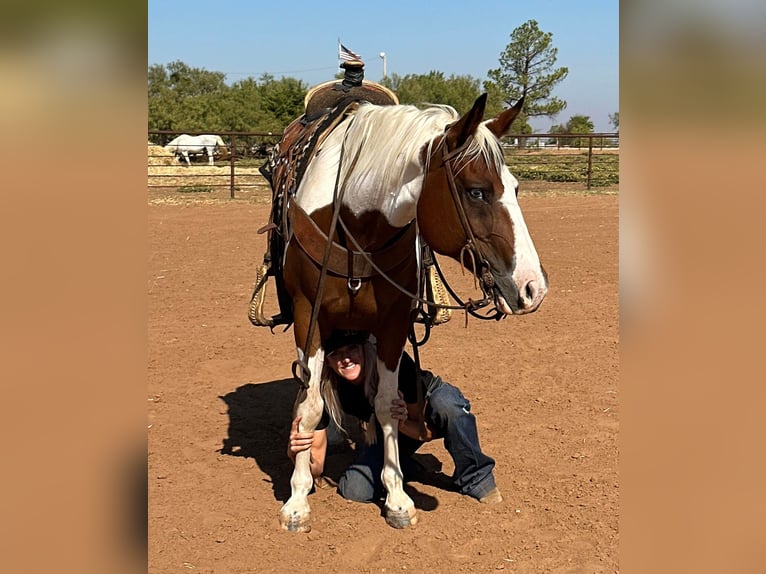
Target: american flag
x=345 y=54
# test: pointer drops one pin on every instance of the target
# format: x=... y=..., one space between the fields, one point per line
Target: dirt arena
x=544 y=388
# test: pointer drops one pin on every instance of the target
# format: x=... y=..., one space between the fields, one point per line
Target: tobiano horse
x=394 y=172
x=212 y=145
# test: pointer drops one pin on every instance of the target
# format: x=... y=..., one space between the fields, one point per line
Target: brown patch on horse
x=371 y=308
x=344 y=258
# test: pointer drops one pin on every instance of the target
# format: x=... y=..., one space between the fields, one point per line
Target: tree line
x=185 y=98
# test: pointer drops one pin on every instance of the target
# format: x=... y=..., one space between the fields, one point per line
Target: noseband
x=471 y=248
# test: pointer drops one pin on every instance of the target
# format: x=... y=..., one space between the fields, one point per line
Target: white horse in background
x=185 y=144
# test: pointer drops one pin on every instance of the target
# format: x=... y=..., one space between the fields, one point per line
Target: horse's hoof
x=295 y=523
x=401 y=519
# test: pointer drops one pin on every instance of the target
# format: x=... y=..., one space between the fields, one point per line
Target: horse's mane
x=383 y=141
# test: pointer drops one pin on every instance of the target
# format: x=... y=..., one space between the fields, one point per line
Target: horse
x=384 y=179
x=185 y=144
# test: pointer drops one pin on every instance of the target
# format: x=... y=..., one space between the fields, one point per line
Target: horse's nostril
x=529 y=291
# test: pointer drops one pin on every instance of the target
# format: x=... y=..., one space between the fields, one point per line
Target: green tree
x=460 y=92
x=527 y=69
x=577 y=124
x=184 y=98
x=281 y=100
x=162 y=102
x=241 y=108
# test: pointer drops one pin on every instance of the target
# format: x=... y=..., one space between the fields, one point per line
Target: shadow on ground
x=259 y=426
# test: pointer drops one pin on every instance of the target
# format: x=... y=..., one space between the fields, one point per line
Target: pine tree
x=527 y=69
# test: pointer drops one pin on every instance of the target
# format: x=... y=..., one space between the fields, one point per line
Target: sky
x=299 y=39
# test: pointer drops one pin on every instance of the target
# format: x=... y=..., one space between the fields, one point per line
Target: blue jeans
x=448 y=413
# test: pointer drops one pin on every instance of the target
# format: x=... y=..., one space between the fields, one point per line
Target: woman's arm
x=408 y=416
x=315 y=441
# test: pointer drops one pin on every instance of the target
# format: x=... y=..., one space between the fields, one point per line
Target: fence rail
x=591 y=159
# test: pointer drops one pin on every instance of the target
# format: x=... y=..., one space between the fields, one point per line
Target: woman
x=349 y=383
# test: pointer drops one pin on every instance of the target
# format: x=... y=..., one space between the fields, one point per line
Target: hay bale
x=158 y=155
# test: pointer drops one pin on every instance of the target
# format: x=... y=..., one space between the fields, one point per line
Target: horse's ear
x=502 y=123
x=462 y=129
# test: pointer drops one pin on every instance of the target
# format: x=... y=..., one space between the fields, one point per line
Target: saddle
x=326 y=106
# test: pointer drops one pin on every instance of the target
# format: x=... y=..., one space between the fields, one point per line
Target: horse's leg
x=186 y=157
x=295 y=514
x=400 y=510
x=210 y=152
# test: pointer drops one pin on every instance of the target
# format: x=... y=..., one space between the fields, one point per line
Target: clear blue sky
x=299 y=39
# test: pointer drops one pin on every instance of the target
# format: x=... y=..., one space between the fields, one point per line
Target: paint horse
x=185 y=144
x=384 y=175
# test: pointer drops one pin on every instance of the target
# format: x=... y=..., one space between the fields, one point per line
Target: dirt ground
x=544 y=388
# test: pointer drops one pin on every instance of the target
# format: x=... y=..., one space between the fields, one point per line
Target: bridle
x=471 y=249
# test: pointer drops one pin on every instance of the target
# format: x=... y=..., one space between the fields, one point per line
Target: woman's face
x=347 y=362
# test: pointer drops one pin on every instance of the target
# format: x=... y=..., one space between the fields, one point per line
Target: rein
x=338 y=192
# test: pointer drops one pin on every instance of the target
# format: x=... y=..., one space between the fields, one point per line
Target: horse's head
x=222 y=150
x=468 y=210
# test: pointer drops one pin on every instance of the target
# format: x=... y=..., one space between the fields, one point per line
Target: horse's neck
x=321 y=184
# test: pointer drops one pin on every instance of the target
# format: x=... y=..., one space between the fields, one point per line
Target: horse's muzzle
x=524 y=299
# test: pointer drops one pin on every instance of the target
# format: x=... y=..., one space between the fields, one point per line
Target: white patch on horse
x=527 y=272
x=397 y=501
x=395 y=190
x=296 y=510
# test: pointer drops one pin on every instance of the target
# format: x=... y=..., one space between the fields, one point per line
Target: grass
x=195 y=189
x=571 y=167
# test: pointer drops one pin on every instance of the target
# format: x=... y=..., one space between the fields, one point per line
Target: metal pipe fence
x=590 y=159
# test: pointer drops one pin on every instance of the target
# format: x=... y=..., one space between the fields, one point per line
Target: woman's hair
x=328 y=385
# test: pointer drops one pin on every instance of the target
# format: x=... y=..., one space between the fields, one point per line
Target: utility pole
x=383 y=56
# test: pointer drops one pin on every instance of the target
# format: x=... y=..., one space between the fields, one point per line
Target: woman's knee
x=357 y=484
x=448 y=402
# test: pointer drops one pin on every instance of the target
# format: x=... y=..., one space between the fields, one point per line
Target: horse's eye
x=516 y=190
x=476 y=193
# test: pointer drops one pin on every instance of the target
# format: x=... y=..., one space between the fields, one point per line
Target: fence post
x=590 y=159
x=233 y=149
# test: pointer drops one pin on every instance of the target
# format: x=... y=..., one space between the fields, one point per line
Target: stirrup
x=255 y=312
x=436 y=292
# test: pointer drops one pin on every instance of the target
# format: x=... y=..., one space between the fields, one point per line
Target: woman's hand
x=399 y=408
x=299 y=441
